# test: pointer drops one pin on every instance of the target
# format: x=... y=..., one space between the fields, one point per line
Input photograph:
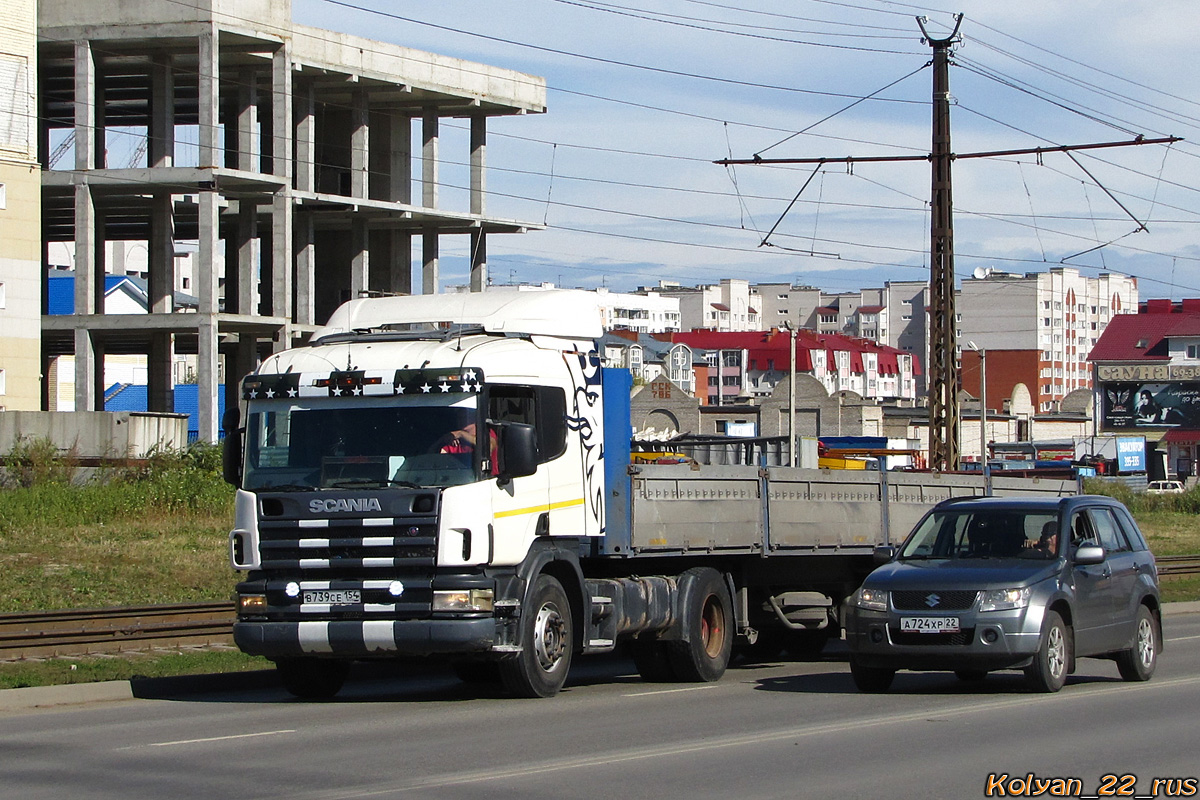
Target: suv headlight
x=873 y=599
x=1004 y=599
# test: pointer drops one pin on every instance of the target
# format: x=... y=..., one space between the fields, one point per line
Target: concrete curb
x=185 y=685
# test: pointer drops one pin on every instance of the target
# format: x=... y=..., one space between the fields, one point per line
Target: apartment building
x=1039 y=327
x=20 y=211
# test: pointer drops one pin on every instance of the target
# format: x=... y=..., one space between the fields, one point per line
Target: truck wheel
x=540 y=669
x=1048 y=672
x=1138 y=662
x=872 y=680
x=652 y=659
x=312 y=678
x=707 y=613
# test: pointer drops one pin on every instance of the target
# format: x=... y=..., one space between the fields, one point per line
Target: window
x=1111 y=537
x=1046 y=321
x=829 y=318
x=1046 y=304
x=713 y=380
x=731 y=380
x=543 y=407
x=1193 y=351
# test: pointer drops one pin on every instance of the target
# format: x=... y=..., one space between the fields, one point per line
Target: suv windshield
x=984 y=533
x=360 y=442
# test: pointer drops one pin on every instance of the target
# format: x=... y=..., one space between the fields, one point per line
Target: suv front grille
x=919 y=600
x=911 y=638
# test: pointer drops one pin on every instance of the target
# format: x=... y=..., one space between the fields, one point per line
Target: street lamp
x=983 y=439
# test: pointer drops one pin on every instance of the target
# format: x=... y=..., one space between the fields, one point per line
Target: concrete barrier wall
x=96 y=434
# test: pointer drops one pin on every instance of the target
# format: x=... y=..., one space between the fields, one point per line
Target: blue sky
x=619 y=168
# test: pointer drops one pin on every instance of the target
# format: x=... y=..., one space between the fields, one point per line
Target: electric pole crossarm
x=1026 y=151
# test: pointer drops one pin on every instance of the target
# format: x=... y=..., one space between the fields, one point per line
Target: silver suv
x=995 y=583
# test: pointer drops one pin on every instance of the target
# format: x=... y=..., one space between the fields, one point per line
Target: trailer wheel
x=540 y=669
x=707 y=613
x=312 y=678
x=652 y=659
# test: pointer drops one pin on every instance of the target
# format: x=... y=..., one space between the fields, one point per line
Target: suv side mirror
x=518 y=451
x=231 y=447
x=1089 y=554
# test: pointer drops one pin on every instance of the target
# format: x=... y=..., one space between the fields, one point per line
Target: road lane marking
x=209 y=739
x=1083 y=693
x=1182 y=638
x=669 y=691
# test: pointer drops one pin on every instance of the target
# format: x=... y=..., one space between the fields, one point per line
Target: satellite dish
x=980 y=273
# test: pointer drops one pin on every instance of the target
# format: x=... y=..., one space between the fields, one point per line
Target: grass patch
x=92 y=669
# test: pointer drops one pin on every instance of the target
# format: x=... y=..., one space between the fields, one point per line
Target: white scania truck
x=449 y=475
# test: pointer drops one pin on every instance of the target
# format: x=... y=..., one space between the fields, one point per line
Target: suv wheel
x=1138 y=662
x=1048 y=672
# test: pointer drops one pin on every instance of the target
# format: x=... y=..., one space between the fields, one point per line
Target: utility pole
x=943 y=333
x=942 y=366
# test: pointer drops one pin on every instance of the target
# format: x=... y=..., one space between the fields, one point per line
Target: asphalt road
x=787 y=729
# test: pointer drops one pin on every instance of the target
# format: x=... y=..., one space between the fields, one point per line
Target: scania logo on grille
x=932 y=600
x=359 y=504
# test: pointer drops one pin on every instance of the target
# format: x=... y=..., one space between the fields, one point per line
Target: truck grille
x=919 y=600
x=341 y=545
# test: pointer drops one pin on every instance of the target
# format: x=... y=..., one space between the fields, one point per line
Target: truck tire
x=652 y=659
x=871 y=680
x=312 y=678
x=547 y=642
x=1138 y=662
x=1048 y=672
x=707 y=613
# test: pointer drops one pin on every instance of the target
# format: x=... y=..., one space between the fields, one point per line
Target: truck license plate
x=929 y=624
x=333 y=596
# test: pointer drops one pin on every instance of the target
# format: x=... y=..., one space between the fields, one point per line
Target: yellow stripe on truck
x=516 y=512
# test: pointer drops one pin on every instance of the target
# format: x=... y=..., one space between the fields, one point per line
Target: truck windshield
x=360 y=442
x=984 y=533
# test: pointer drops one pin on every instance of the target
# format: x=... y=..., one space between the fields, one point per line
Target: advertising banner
x=1131 y=454
x=1151 y=405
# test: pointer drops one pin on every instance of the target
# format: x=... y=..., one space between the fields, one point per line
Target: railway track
x=46 y=634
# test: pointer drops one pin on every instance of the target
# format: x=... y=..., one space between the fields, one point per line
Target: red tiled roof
x=870 y=309
x=1137 y=337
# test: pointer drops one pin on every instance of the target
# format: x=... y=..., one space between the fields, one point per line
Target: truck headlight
x=252 y=603
x=462 y=599
x=1004 y=599
x=873 y=599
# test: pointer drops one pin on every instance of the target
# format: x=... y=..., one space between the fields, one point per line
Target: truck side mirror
x=518 y=451
x=231 y=447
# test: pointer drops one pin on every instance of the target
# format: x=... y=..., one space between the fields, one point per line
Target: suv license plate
x=929 y=624
x=334 y=596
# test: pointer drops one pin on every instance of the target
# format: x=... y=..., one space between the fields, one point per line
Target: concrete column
x=207 y=290
x=160 y=363
x=249 y=135
x=478 y=163
x=479 y=279
x=282 y=237
x=209 y=101
x=429 y=158
x=281 y=112
x=306 y=139
x=247 y=268
x=161 y=254
x=360 y=146
x=429 y=270
x=360 y=259
x=305 y=254
x=161 y=150
x=86 y=278
x=85 y=107
x=399 y=278
x=97 y=376
x=400 y=168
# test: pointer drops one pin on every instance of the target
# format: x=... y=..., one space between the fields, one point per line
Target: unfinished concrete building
x=285 y=155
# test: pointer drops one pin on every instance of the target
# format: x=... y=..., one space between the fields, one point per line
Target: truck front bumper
x=365 y=638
